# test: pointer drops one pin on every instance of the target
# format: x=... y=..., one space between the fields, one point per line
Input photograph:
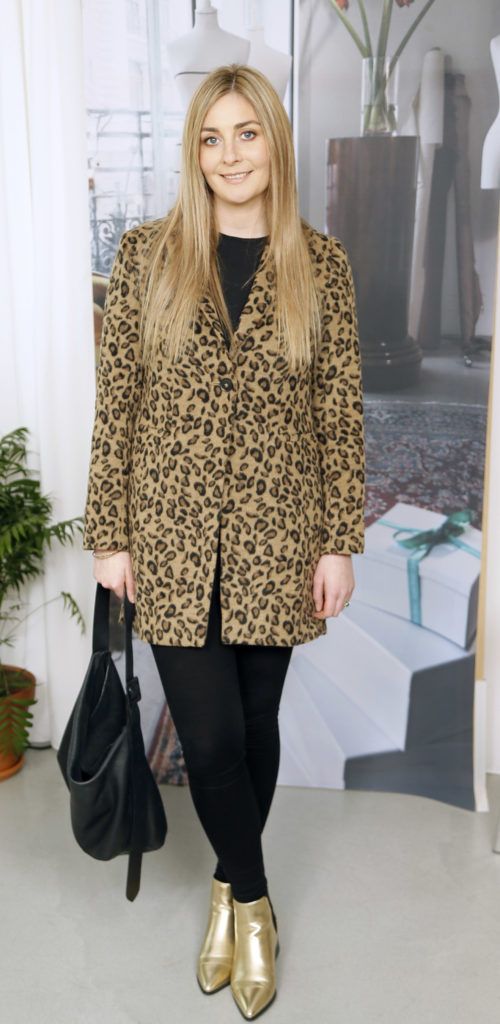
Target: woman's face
x=234 y=155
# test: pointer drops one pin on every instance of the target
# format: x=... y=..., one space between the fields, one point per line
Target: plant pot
x=19 y=700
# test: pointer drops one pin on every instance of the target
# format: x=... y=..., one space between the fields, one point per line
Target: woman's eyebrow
x=240 y=124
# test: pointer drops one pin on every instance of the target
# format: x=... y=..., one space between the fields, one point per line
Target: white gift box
x=373 y=684
x=438 y=591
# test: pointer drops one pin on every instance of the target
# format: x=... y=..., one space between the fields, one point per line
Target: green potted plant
x=26 y=531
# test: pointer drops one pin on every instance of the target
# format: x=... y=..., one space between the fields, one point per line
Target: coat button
x=226 y=383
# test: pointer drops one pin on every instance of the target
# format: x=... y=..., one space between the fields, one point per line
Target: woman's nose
x=231 y=152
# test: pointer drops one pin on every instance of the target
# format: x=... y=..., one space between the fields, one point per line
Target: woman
x=226 y=483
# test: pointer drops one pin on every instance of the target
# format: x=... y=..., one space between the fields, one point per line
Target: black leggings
x=224 y=701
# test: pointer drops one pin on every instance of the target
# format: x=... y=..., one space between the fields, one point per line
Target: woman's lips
x=235 y=178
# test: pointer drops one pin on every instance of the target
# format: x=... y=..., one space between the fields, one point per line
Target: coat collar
x=251 y=318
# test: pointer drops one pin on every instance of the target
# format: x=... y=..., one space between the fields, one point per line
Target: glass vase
x=379 y=93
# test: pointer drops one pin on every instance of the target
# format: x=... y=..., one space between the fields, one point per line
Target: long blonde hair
x=182 y=264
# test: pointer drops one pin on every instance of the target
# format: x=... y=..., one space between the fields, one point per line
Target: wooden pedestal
x=371 y=192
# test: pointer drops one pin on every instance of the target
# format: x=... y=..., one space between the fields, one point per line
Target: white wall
x=492 y=601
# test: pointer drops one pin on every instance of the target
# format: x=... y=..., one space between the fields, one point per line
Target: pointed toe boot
x=256 y=945
x=216 y=955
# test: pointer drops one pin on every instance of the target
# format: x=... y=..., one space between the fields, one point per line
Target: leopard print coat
x=228 y=441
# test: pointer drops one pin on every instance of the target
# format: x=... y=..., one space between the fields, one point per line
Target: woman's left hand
x=333 y=584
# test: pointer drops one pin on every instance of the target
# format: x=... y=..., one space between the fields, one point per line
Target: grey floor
x=444 y=377
x=387 y=907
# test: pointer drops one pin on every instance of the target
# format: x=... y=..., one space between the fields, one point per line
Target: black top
x=238 y=260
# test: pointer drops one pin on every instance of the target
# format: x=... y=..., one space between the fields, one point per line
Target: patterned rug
x=165 y=754
x=424 y=453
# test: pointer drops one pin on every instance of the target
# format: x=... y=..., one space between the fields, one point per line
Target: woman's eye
x=213 y=138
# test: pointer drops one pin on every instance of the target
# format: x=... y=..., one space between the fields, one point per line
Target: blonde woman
x=226 y=482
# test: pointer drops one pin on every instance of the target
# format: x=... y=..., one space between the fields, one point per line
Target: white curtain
x=47 y=381
x=491 y=656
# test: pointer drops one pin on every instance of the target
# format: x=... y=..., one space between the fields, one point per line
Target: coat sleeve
x=337 y=403
x=118 y=390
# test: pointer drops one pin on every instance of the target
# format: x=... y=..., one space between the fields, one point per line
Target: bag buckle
x=133 y=689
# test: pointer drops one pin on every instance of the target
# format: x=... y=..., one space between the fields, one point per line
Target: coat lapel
x=251 y=317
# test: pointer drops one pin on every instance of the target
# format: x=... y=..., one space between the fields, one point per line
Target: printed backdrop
x=384 y=701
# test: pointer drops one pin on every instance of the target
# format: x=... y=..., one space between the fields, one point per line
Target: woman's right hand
x=115 y=573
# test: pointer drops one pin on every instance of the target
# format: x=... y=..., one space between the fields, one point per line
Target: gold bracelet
x=107 y=554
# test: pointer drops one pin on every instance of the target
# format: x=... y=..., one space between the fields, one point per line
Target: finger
x=129 y=584
x=329 y=604
x=341 y=603
x=318 y=593
x=336 y=602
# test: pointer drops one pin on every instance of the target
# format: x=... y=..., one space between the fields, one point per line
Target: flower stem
x=366 y=29
x=384 y=28
x=352 y=31
x=410 y=32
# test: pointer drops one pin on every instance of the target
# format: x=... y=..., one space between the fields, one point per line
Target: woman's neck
x=242 y=230
x=240 y=222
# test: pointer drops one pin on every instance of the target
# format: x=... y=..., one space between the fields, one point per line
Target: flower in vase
x=378 y=90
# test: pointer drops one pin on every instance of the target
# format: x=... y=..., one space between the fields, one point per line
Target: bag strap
x=100 y=631
x=138 y=759
x=100 y=642
x=129 y=655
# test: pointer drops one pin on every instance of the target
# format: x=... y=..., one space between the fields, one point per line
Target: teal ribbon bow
x=422 y=542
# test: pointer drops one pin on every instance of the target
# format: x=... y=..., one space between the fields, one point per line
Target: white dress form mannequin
x=274 y=64
x=429 y=114
x=490 y=166
x=193 y=55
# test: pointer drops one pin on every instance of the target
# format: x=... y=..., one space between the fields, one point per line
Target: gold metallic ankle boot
x=253 y=979
x=216 y=955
